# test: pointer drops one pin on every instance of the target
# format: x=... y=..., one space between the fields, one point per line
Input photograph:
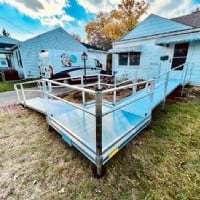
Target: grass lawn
x=9 y=85
x=162 y=162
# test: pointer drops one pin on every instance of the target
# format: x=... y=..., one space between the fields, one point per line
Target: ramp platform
x=99 y=129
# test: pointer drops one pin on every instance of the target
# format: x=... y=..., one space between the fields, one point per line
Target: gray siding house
x=25 y=54
x=161 y=43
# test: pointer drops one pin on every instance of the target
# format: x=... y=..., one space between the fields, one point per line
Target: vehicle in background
x=56 y=64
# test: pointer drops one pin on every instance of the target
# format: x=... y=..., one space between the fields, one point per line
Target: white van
x=61 y=64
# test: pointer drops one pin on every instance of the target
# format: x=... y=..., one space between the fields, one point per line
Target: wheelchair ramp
x=98 y=129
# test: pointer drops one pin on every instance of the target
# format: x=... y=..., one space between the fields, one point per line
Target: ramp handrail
x=148 y=89
x=16 y=85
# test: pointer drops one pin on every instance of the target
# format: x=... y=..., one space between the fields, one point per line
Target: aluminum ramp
x=100 y=130
x=78 y=128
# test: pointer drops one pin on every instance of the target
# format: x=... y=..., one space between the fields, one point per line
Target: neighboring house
x=26 y=54
x=100 y=54
x=160 y=42
x=6 y=44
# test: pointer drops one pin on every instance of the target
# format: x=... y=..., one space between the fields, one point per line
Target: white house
x=98 y=53
x=25 y=54
x=6 y=44
x=160 y=42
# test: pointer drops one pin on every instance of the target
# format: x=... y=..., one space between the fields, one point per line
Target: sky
x=24 y=19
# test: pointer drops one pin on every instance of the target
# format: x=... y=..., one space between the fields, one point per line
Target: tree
x=8 y=56
x=76 y=37
x=95 y=31
x=5 y=33
x=108 y=27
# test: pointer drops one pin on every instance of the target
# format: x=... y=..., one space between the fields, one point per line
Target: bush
x=10 y=74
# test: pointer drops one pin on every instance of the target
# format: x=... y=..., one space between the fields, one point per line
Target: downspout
x=20 y=62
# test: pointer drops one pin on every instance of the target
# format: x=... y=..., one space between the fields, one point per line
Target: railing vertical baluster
x=17 y=92
x=44 y=89
x=99 y=81
x=23 y=93
x=185 y=71
x=99 y=158
x=134 y=88
x=83 y=92
x=114 y=92
x=152 y=88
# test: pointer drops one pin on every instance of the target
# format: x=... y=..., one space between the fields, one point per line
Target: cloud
x=36 y=5
x=78 y=28
x=56 y=20
x=95 y=6
x=164 y=8
x=171 y=8
x=49 y=12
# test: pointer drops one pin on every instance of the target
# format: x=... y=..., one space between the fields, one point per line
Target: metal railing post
x=134 y=88
x=152 y=87
x=23 y=93
x=99 y=158
x=184 y=78
x=99 y=81
x=83 y=92
x=17 y=92
x=114 y=92
x=44 y=89
x=49 y=87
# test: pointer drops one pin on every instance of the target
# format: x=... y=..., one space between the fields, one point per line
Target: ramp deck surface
x=78 y=128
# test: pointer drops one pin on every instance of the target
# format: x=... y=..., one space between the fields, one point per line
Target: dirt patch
x=15 y=108
x=76 y=96
x=196 y=91
x=33 y=160
x=189 y=93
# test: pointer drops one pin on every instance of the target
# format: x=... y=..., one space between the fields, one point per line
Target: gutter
x=174 y=33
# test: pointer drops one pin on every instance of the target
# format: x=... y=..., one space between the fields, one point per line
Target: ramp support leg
x=44 y=89
x=99 y=159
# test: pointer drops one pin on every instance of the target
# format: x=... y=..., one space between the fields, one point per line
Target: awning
x=5 y=51
x=179 y=38
x=136 y=48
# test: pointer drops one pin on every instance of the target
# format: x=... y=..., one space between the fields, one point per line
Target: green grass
x=162 y=162
x=9 y=85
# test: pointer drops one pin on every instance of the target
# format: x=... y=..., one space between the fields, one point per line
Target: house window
x=3 y=62
x=134 y=58
x=123 y=59
x=180 y=55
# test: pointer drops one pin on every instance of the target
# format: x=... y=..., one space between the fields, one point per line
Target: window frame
x=126 y=61
x=137 y=56
x=121 y=62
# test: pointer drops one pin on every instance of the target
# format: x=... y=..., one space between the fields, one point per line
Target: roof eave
x=155 y=36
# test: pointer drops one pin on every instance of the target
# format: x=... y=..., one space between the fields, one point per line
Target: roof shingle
x=192 y=19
